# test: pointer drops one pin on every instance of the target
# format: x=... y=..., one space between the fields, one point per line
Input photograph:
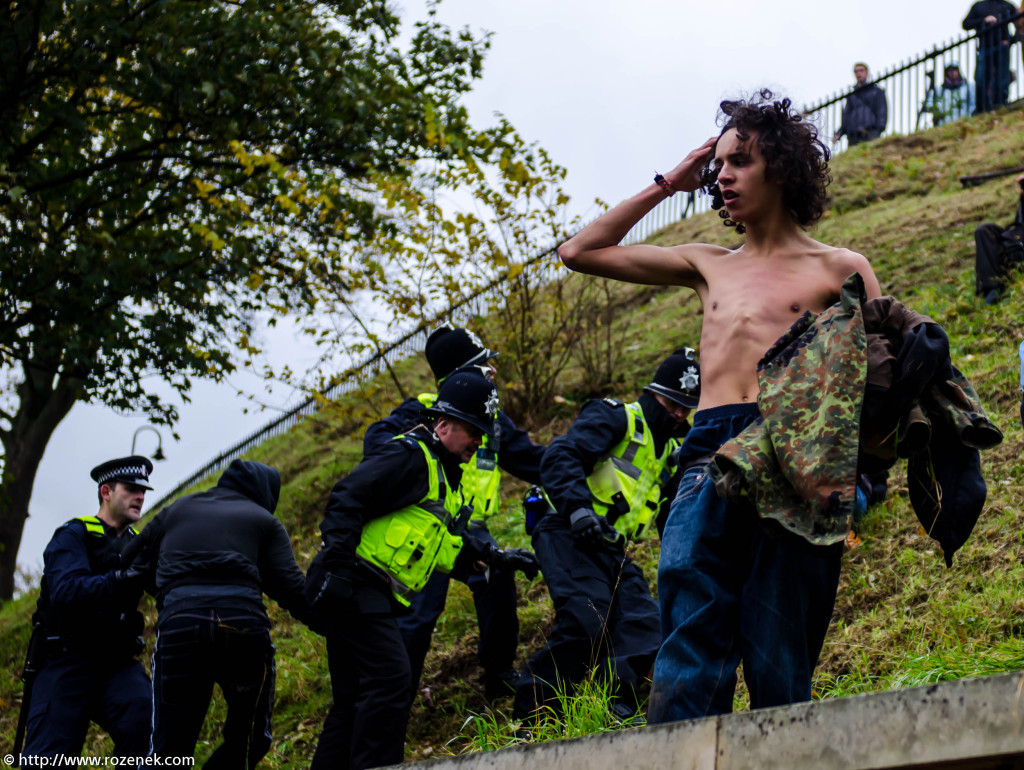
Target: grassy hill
x=901 y=619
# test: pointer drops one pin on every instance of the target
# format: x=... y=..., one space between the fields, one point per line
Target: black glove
x=586 y=528
x=611 y=535
x=325 y=595
x=515 y=560
x=328 y=585
x=130 y=576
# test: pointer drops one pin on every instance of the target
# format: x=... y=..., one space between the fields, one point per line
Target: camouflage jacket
x=862 y=384
x=797 y=464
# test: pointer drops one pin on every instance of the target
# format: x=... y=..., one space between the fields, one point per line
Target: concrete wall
x=976 y=724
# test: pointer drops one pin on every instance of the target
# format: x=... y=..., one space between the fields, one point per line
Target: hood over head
x=260 y=483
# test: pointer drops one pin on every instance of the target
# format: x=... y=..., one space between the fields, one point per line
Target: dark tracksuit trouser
x=196 y=649
x=604 y=616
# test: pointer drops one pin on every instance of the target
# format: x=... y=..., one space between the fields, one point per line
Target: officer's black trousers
x=996 y=255
x=495 y=600
x=195 y=650
x=604 y=616
x=370 y=684
x=73 y=690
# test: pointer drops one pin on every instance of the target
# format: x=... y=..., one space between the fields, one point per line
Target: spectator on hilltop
x=990 y=19
x=865 y=112
x=954 y=99
x=998 y=250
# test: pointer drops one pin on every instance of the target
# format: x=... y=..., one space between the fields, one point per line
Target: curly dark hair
x=792 y=151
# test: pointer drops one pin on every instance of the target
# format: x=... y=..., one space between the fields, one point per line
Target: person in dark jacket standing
x=87 y=611
x=214 y=554
x=508 y=449
x=990 y=19
x=398 y=517
x=609 y=479
x=866 y=110
x=998 y=250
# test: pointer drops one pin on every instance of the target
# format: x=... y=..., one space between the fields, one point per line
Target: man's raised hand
x=686 y=176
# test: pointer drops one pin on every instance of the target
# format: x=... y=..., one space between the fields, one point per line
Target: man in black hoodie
x=865 y=112
x=213 y=555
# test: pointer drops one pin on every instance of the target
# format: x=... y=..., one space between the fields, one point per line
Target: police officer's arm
x=392 y=478
x=518 y=454
x=572 y=457
x=68 y=574
x=404 y=416
x=143 y=550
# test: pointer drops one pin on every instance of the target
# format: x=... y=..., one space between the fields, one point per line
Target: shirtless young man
x=729 y=590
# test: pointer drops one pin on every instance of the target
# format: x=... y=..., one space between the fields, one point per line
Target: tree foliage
x=478 y=239
x=168 y=169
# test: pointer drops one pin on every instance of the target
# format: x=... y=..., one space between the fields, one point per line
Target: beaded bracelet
x=664 y=184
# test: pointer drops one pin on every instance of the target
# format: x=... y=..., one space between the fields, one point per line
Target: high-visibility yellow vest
x=626 y=484
x=481 y=476
x=410 y=543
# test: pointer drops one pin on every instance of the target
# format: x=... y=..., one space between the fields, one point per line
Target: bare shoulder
x=844 y=262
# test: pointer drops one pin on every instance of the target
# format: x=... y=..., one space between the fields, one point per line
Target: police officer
x=213 y=555
x=507 y=448
x=389 y=525
x=610 y=479
x=87 y=611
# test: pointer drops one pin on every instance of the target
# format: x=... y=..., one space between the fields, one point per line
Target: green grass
x=901 y=619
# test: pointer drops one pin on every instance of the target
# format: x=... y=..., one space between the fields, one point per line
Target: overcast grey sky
x=613 y=91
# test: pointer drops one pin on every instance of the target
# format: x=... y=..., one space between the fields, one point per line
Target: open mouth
x=729 y=195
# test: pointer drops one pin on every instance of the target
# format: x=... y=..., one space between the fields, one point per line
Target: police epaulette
x=92 y=524
x=612 y=401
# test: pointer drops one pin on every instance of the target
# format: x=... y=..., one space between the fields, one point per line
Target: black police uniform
x=604 y=612
x=370 y=677
x=214 y=554
x=87 y=609
x=494 y=596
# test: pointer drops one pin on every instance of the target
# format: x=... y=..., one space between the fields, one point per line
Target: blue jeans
x=730 y=589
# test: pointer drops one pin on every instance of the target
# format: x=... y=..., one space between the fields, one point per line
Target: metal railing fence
x=906 y=85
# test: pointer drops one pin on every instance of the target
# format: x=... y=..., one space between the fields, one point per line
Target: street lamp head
x=159 y=453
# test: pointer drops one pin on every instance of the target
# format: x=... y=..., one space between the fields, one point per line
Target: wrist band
x=664 y=184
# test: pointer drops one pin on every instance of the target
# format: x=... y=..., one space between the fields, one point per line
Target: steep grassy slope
x=902 y=618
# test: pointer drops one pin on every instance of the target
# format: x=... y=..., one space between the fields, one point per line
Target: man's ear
x=106 y=491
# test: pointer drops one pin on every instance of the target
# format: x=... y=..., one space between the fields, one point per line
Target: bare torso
x=752 y=300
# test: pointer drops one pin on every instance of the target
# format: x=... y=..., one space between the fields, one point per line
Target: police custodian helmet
x=678 y=378
x=450 y=348
x=469 y=396
x=129 y=470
